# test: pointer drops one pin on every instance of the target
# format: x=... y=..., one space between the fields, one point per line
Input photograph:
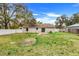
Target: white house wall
x=33 y=30
x=73 y=30
x=39 y=30
x=50 y=29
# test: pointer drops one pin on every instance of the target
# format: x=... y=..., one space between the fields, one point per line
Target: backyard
x=51 y=44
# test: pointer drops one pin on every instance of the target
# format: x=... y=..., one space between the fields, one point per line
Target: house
x=73 y=28
x=41 y=28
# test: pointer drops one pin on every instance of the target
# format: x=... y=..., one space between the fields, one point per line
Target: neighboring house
x=73 y=28
x=41 y=28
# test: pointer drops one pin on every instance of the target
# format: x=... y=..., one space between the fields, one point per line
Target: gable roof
x=45 y=25
x=42 y=26
x=74 y=25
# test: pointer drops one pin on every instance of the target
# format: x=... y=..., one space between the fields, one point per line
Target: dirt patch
x=42 y=33
x=12 y=42
x=28 y=42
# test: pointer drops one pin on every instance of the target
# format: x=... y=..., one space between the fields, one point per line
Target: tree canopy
x=14 y=15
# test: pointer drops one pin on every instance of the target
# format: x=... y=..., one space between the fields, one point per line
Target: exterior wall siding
x=33 y=30
x=71 y=30
x=39 y=30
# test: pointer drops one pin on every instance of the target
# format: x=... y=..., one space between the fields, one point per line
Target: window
x=36 y=28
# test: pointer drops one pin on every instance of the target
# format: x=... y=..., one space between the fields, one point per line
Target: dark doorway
x=26 y=29
x=69 y=30
x=36 y=28
x=78 y=31
x=42 y=29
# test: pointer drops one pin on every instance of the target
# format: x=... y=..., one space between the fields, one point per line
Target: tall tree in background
x=39 y=22
x=7 y=13
x=74 y=18
x=67 y=20
x=3 y=15
x=33 y=22
x=16 y=15
x=60 y=21
x=21 y=12
x=29 y=20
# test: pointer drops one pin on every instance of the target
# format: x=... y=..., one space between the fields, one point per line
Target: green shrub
x=50 y=32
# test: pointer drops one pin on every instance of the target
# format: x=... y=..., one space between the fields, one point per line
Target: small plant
x=50 y=32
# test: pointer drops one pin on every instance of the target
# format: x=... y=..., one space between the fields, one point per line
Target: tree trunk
x=5 y=16
x=6 y=25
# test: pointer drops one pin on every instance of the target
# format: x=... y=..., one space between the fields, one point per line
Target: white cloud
x=46 y=20
x=35 y=14
x=47 y=17
x=52 y=15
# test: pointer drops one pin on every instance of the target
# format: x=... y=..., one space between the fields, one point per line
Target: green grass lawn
x=52 y=44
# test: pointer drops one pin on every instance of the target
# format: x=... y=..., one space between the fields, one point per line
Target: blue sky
x=47 y=12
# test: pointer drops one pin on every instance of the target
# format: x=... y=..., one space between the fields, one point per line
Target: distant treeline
x=64 y=20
